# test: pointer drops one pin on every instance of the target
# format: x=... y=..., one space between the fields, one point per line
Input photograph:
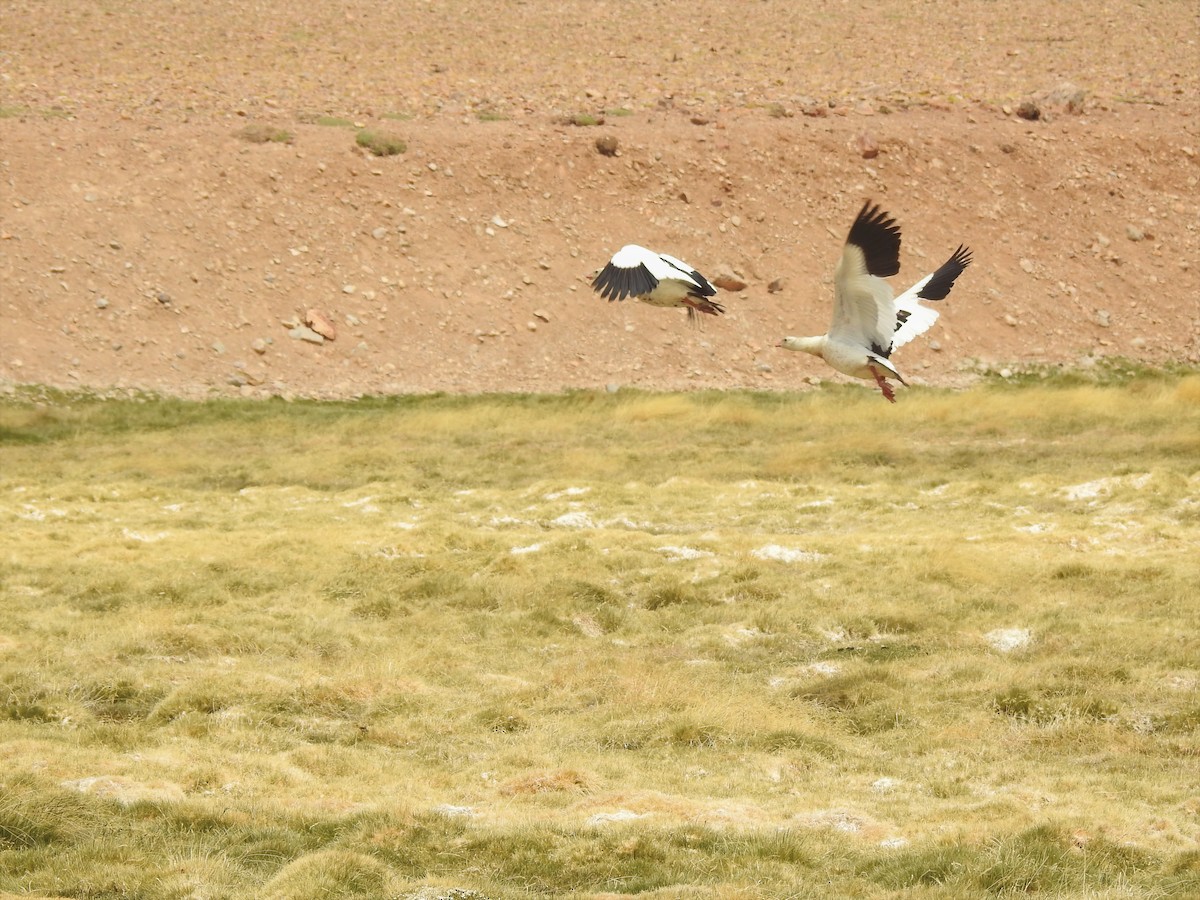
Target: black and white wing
x=863 y=311
x=628 y=274
x=913 y=319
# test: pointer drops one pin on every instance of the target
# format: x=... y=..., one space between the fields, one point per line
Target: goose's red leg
x=888 y=393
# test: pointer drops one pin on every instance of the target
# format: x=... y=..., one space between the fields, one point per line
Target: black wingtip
x=940 y=282
x=615 y=283
x=877 y=235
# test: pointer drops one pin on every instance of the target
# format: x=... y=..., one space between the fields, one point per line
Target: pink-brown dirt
x=146 y=243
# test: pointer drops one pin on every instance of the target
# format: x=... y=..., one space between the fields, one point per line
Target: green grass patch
x=265 y=134
x=380 y=143
x=50 y=112
x=527 y=646
x=583 y=120
x=325 y=120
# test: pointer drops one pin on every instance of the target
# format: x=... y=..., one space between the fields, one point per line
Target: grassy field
x=591 y=645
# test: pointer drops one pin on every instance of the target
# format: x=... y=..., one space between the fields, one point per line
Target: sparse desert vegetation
x=380 y=143
x=262 y=133
x=702 y=645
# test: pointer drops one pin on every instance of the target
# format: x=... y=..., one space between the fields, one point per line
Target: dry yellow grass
x=721 y=645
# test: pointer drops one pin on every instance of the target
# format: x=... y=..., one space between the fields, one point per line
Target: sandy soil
x=145 y=244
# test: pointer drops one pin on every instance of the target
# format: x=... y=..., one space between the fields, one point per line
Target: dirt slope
x=144 y=243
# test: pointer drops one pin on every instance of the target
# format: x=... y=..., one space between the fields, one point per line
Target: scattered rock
x=542 y=314
x=163 y=297
x=867 y=146
x=379 y=233
x=1029 y=110
x=727 y=280
x=1010 y=320
x=303 y=333
x=606 y=145
x=259 y=346
x=1027 y=266
x=775 y=286
x=321 y=324
x=1067 y=97
x=101 y=303
x=699 y=120
x=1102 y=318
x=1134 y=233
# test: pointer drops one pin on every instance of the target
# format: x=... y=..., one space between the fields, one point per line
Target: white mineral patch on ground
x=785 y=554
x=1006 y=640
x=684 y=552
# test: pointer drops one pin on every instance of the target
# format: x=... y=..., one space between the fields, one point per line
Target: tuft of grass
x=583 y=120
x=380 y=143
x=261 y=133
x=325 y=120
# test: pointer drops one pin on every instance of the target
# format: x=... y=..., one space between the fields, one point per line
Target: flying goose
x=868 y=322
x=657 y=279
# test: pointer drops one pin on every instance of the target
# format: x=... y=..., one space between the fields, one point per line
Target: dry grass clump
x=540 y=646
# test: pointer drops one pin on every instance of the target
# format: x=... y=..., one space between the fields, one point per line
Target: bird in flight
x=869 y=323
x=656 y=279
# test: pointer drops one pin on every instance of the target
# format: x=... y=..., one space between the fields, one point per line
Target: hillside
x=146 y=243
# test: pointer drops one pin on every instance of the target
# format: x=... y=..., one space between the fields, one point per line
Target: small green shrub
x=261 y=133
x=380 y=143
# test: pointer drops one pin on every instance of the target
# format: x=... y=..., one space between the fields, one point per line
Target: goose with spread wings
x=869 y=323
x=656 y=279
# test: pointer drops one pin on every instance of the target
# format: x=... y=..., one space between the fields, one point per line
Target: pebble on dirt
x=321 y=324
x=606 y=145
x=868 y=148
x=1029 y=110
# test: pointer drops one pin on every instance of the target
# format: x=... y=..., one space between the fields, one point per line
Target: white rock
x=304 y=333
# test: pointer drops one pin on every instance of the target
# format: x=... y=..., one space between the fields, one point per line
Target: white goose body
x=656 y=279
x=869 y=323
